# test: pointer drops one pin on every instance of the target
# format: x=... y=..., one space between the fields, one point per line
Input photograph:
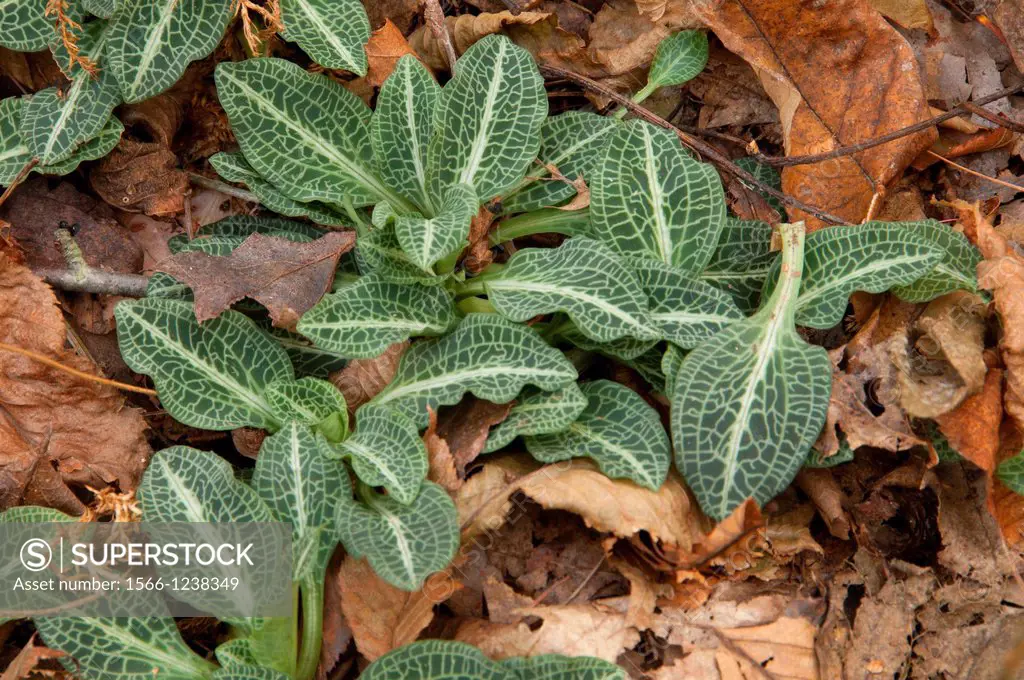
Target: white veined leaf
x=648 y=365
x=250 y=673
x=123 y=648
x=310 y=401
x=573 y=142
x=386 y=450
x=1011 y=473
x=625 y=349
x=403 y=543
x=378 y=252
x=650 y=197
x=559 y=667
x=685 y=310
x=232 y=231
x=582 y=278
x=210 y=376
x=538 y=412
x=303 y=132
x=679 y=58
x=957 y=269
x=402 y=124
x=332 y=32
x=670 y=363
x=618 y=430
x=487 y=354
x=487 y=125
x=234 y=168
x=871 y=257
x=425 y=240
x=364 y=318
x=748 y=403
x=742 y=261
x=301 y=485
x=308 y=360
x=153 y=41
x=24 y=26
x=103 y=9
x=767 y=175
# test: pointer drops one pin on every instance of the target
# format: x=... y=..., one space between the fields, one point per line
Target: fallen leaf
x=386 y=46
x=362 y=379
x=823 y=490
x=465 y=426
x=141 y=177
x=839 y=75
x=1009 y=512
x=478 y=254
x=1009 y=17
x=906 y=13
x=286 y=277
x=248 y=440
x=27 y=660
x=401 y=12
x=972 y=428
x=622 y=40
x=56 y=429
x=731 y=93
x=336 y=632
x=970 y=536
x=442 y=464
x=464 y=30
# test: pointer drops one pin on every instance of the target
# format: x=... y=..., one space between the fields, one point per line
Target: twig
x=35 y=356
x=1000 y=182
x=434 y=16
x=222 y=187
x=698 y=145
x=95 y=281
x=781 y=162
x=993 y=118
x=19 y=178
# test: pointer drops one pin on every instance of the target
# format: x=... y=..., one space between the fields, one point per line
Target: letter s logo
x=36 y=554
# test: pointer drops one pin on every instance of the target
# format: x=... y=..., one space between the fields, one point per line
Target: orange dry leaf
x=362 y=379
x=973 y=427
x=28 y=658
x=386 y=46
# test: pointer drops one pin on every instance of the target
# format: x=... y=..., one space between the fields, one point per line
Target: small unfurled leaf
x=379 y=252
x=401 y=127
x=583 y=278
x=386 y=450
x=152 y=41
x=742 y=261
x=364 y=318
x=871 y=257
x=650 y=197
x=310 y=401
x=538 y=412
x=618 y=429
x=103 y=9
x=288 y=278
x=425 y=240
x=764 y=392
x=573 y=143
x=685 y=310
x=679 y=58
x=956 y=269
x=403 y=543
x=333 y=32
x=487 y=354
x=488 y=120
x=210 y=376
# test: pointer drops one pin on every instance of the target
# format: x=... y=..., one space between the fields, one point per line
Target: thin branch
x=95 y=281
x=994 y=180
x=698 y=145
x=1006 y=123
x=222 y=187
x=434 y=16
x=35 y=356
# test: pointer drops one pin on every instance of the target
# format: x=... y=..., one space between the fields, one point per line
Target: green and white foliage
x=427 y=240
x=310 y=401
x=1011 y=473
x=618 y=430
x=387 y=451
x=748 y=403
x=364 y=318
x=450 y=660
x=671 y=360
x=307 y=358
x=573 y=143
x=153 y=41
x=582 y=278
x=768 y=175
x=403 y=543
x=488 y=120
x=871 y=257
x=332 y=32
x=651 y=198
x=104 y=9
x=378 y=252
x=223 y=236
x=487 y=355
x=24 y=26
x=956 y=269
x=538 y=412
x=742 y=261
x=678 y=59
x=211 y=376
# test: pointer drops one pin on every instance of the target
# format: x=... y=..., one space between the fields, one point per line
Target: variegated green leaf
x=250 y=673
x=153 y=41
x=401 y=127
x=488 y=120
x=957 y=268
x=749 y=402
x=538 y=412
x=543 y=221
x=123 y=648
x=623 y=349
x=308 y=360
x=302 y=485
x=310 y=401
x=425 y=240
x=670 y=363
x=685 y=310
x=618 y=429
x=650 y=197
x=363 y=319
x=378 y=252
x=1011 y=473
x=871 y=257
x=303 y=132
x=768 y=175
x=386 y=450
x=103 y=9
x=558 y=667
x=742 y=261
x=333 y=32
x=231 y=231
x=24 y=26
x=648 y=365
x=582 y=278
x=403 y=543
x=679 y=58
x=487 y=354
x=210 y=376
x=573 y=142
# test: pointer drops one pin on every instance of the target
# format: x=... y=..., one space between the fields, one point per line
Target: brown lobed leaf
x=286 y=277
x=362 y=379
x=839 y=75
x=141 y=177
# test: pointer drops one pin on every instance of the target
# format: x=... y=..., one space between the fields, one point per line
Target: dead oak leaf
x=465 y=426
x=285 y=276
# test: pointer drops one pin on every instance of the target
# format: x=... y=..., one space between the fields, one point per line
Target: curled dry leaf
x=828 y=497
x=28 y=658
x=386 y=46
x=839 y=75
x=972 y=428
x=362 y=379
x=285 y=276
x=336 y=632
x=56 y=429
x=466 y=29
x=464 y=428
x=442 y=464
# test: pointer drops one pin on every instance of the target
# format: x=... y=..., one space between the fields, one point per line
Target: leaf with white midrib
x=425 y=240
x=617 y=429
x=538 y=412
x=956 y=270
x=741 y=261
x=679 y=58
x=581 y=277
x=333 y=32
x=378 y=252
x=748 y=403
x=307 y=400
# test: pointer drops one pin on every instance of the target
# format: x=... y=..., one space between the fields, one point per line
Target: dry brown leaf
x=465 y=30
x=401 y=12
x=1009 y=17
x=28 y=658
x=386 y=46
x=906 y=13
x=56 y=429
x=336 y=634
x=285 y=276
x=731 y=93
x=839 y=75
x=141 y=177
x=362 y=379
x=884 y=628
x=743 y=521
x=622 y=40
x=823 y=490
x=465 y=427
x=1009 y=512
x=972 y=428
x=442 y=464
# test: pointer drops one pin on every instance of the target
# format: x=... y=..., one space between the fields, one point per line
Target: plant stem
x=222 y=187
x=475 y=305
x=475 y=285
x=544 y=221
x=312 y=589
x=645 y=92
